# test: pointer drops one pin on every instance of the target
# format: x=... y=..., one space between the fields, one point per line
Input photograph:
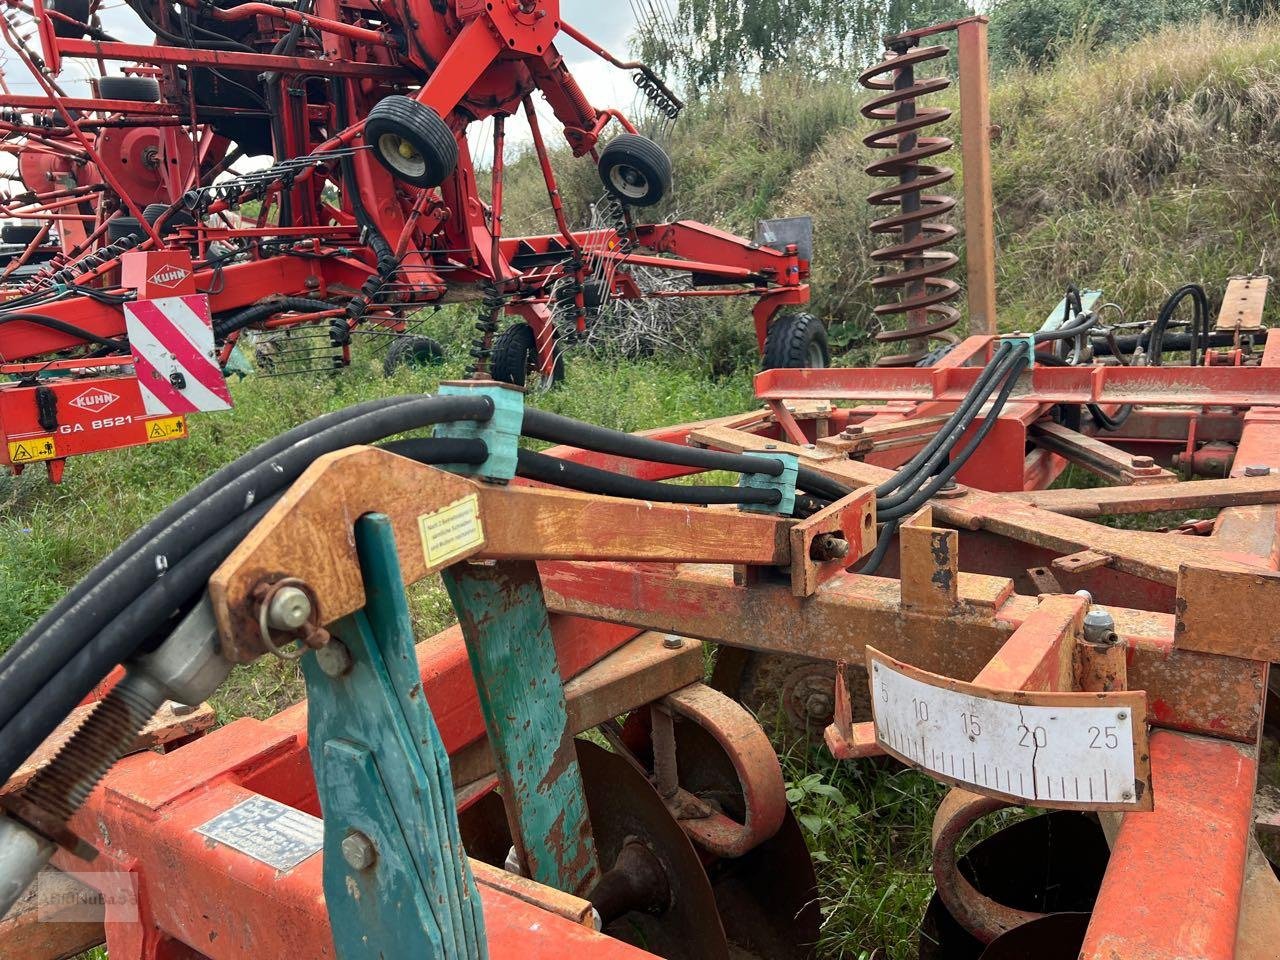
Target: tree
x=701 y=42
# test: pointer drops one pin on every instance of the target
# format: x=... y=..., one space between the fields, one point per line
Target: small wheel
x=77 y=10
x=515 y=357
x=122 y=227
x=412 y=352
x=22 y=233
x=635 y=170
x=411 y=141
x=152 y=213
x=594 y=292
x=135 y=89
x=796 y=340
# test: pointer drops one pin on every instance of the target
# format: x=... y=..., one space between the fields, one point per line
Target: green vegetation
x=1133 y=170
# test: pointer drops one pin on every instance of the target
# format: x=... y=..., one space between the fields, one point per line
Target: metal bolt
x=182 y=709
x=947 y=487
x=1099 y=627
x=1126 y=795
x=359 y=851
x=672 y=642
x=334 y=659
x=1122 y=716
x=1142 y=462
x=771 y=446
x=819 y=705
x=290 y=609
x=1257 y=471
x=852 y=430
x=827 y=547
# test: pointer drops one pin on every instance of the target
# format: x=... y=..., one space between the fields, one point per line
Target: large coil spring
x=917 y=226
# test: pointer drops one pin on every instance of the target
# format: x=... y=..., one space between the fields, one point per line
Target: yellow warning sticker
x=166 y=428
x=33 y=450
x=451 y=532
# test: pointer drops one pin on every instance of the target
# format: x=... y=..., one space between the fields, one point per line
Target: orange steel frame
x=1198 y=618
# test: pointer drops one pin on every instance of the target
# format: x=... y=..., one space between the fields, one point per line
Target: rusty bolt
x=819 y=706
x=1100 y=628
x=334 y=659
x=290 y=609
x=1257 y=471
x=672 y=642
x=827 y=547
x=1142 y=463
x=359 y=851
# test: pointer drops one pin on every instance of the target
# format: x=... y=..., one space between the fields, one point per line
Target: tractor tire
x=133 y=89
x=515 y=356
x=152 y=213
x=22 y=233
x=121 y=227
x=594 y=292
x=796 y=341
x=77 y=10
x=635 y=170
x=411 y=141
x=412 y=352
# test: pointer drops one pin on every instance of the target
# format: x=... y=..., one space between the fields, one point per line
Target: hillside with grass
x=1134 y=171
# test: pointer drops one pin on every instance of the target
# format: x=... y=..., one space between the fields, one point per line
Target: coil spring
x=917 y=226
x=487 y=324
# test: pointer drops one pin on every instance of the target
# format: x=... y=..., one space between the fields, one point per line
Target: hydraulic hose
x=577 y=476
x=25 y=671
x=261 y=311
x=61 y=326
x=553 y=428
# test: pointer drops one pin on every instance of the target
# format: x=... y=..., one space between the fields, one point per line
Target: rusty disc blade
x=623 y=806
x=1058 y=936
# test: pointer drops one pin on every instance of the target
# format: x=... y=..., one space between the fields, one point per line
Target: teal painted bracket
x=784 y=483
x=504 y=619
x=1088 y=300
x=1027 y=345
x=501 y=433
x=397 y=882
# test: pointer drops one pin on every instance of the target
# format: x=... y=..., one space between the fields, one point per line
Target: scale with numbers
x=1056 y=750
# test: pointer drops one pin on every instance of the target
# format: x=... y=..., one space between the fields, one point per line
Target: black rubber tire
x=795 y=341
x=121 y=227
x=22 y=233
x=515 y=356
x=635 y=170
x=396 y=118
x=412 y=352
x=133 y=89
x=77 y=10
x=593 y=296
x=933 y=356
x=152 y=212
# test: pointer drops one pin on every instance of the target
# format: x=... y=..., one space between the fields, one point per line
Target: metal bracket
x=501 y=433
x=396 y=881
x=784 y=483
x=1028 y=345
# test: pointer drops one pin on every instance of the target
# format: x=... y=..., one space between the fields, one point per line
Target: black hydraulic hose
x=821 y=485
x=382 y=250
x=922 y=496
x=52 y=323
x=1174 y=342
x=960 y=420
x=258 y=312
x=885 y=538
x=132 y=628
x=577 y=476
x=553 y=428
x=23 y=671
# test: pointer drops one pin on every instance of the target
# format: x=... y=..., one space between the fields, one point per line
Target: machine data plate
x=1060 y=750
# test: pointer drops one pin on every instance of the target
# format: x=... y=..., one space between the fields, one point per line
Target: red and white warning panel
x=177 y=365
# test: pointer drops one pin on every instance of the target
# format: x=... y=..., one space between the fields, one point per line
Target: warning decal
x=451 y=532
x=173 y=351
x=32 y=450
x=167 y=428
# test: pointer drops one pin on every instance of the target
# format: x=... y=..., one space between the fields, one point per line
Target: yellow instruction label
x=451 y=532
x=33 y=450
x=166 y=428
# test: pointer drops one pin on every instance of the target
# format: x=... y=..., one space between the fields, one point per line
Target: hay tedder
x=138 y=255
x=913 y=568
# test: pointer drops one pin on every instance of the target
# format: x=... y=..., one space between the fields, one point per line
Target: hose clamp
x=784 y=483
x=500 y=433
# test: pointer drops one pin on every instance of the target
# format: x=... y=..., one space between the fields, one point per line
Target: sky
x=608 y=22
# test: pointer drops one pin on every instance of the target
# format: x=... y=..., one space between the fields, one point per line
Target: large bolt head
x=334 y=659
x=359 y=851
x=290 y=609
x=1257 y=471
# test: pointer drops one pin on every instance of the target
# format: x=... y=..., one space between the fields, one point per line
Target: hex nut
x=672 y=642
x=334 y=659
x=359 y=851
x=1257 y=471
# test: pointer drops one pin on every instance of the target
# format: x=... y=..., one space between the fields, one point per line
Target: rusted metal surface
x=830 y=541
x=1107 y=461
x=1243 y=303
x=1174 y=885
x=1114 y=501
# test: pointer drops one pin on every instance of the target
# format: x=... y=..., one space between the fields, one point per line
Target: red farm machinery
x=903 y=557
x=138 y=255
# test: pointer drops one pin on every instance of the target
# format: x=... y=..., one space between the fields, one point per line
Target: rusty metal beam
x=1110 y=463
x=1191 y=495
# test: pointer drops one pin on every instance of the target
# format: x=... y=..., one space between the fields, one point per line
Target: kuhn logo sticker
x=169 y=276
x=95 y=400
